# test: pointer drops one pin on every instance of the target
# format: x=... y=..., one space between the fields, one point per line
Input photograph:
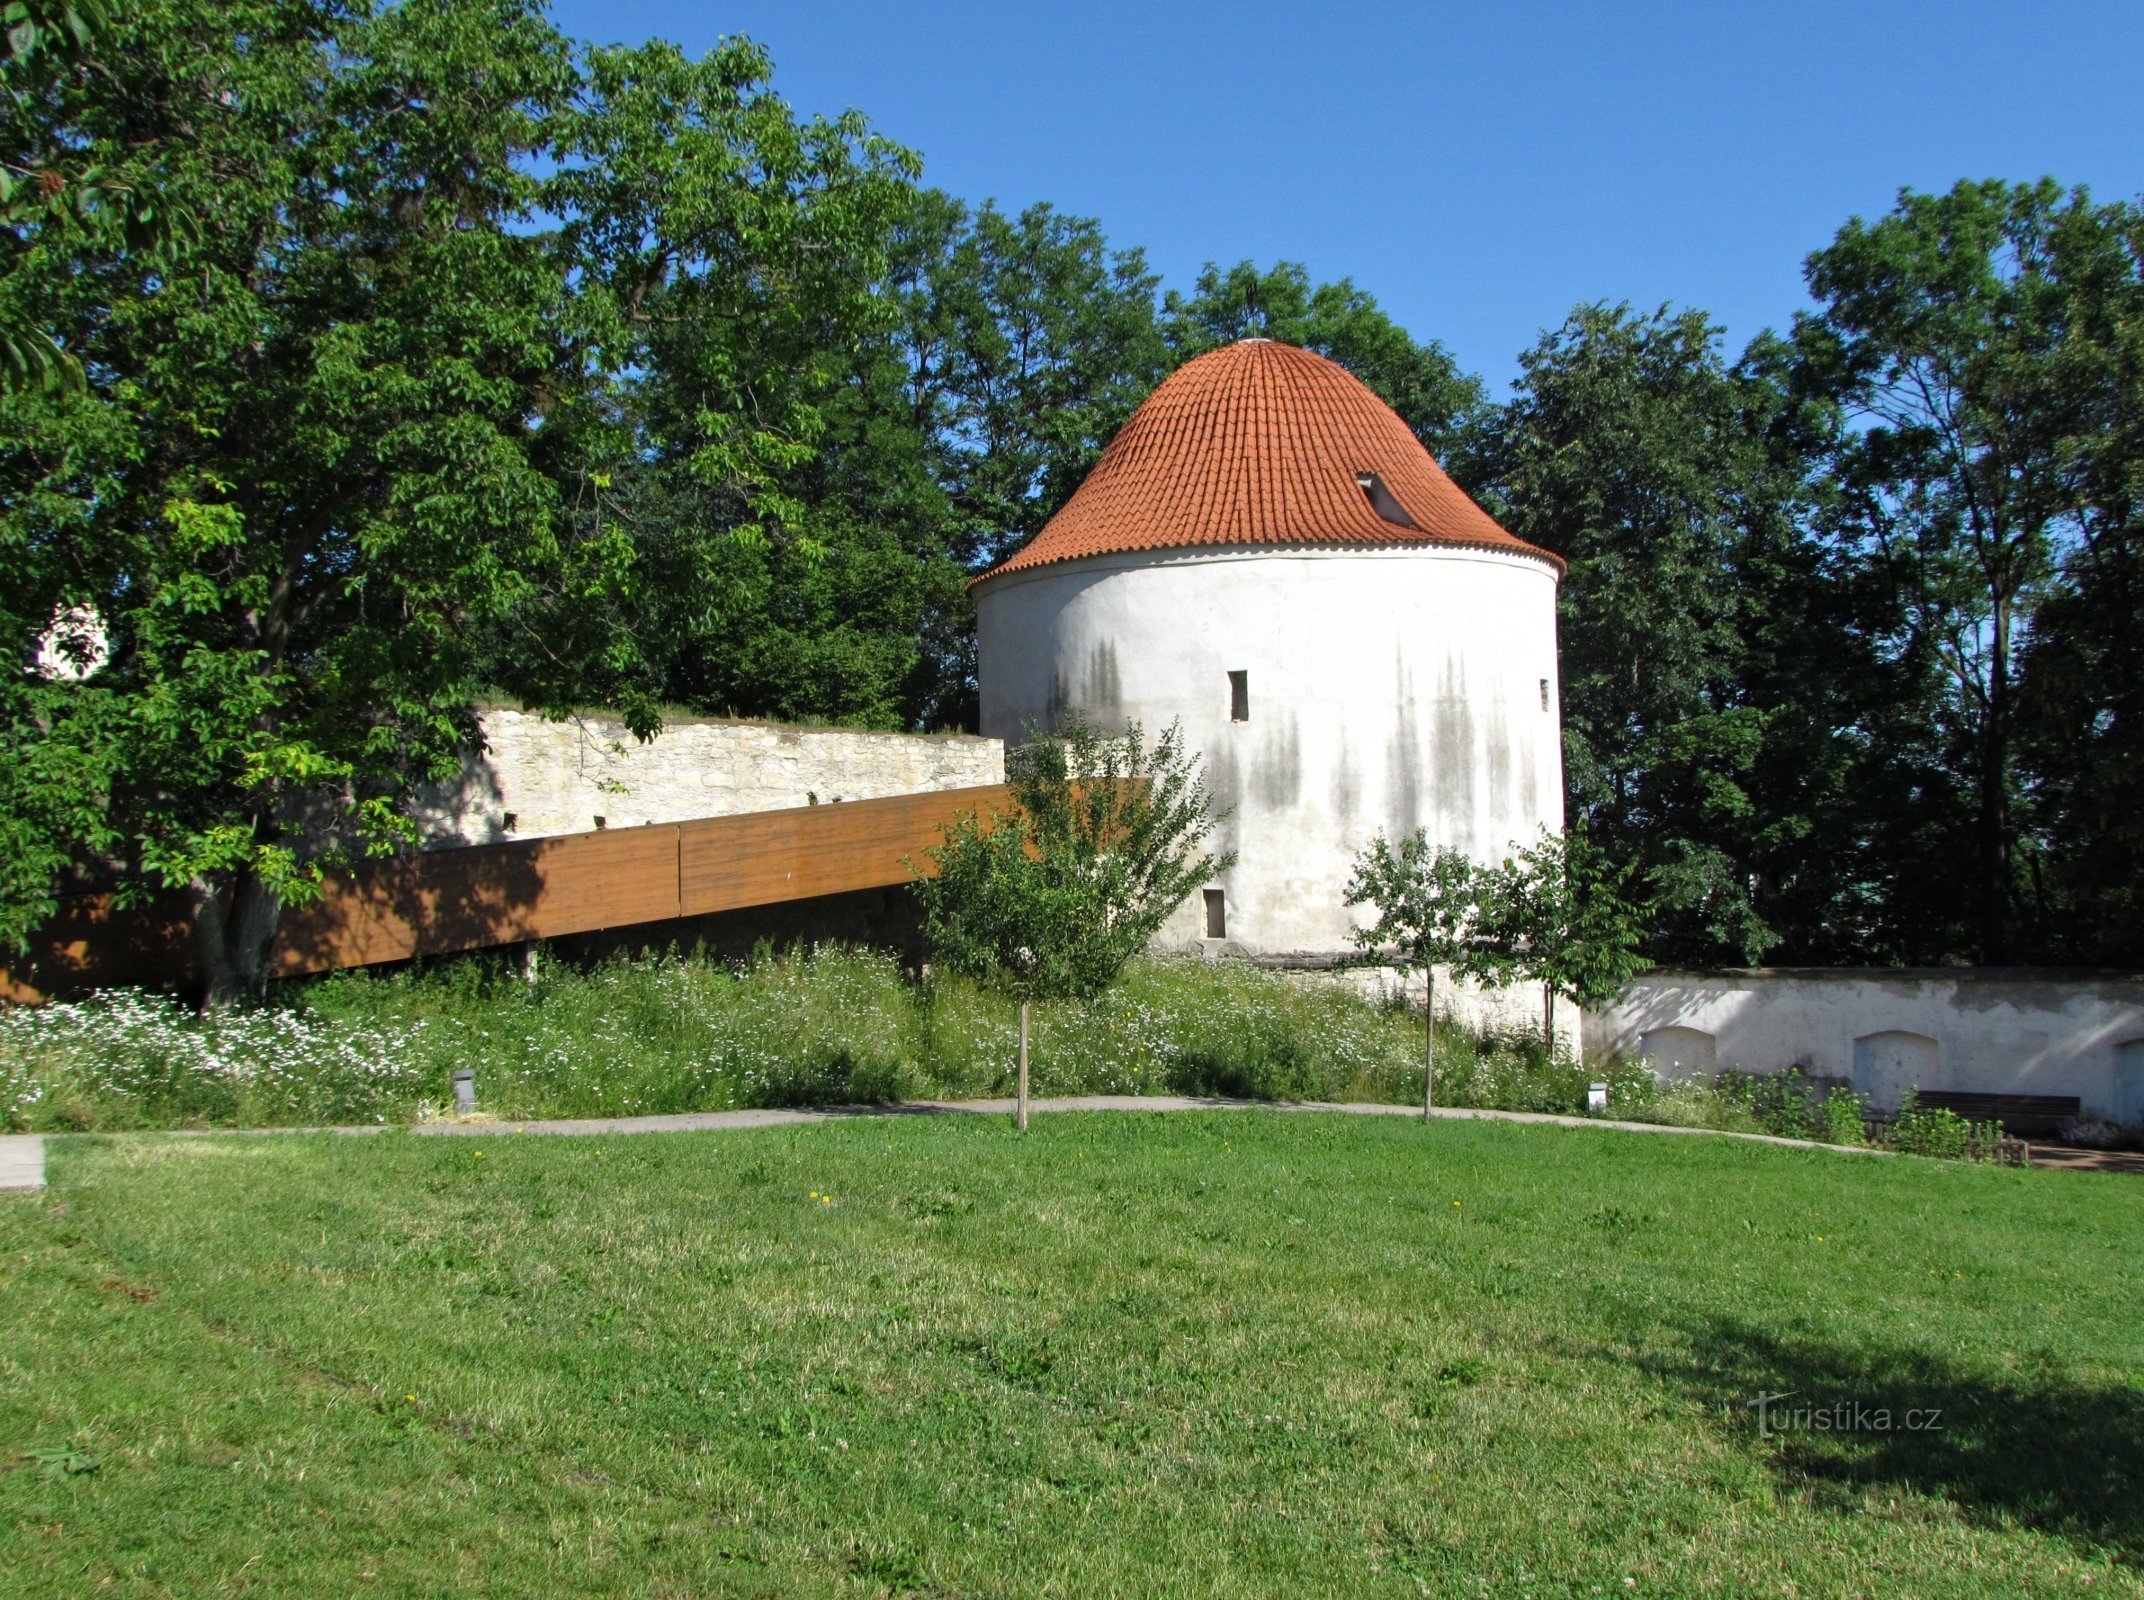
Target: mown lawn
x=1219 y=1354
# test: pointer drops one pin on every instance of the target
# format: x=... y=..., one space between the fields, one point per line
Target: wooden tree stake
x=1020 y=1112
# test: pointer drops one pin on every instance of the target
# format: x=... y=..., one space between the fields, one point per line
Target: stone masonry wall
x=538 y=777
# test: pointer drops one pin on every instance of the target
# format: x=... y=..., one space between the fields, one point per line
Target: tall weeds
x=808 y=1027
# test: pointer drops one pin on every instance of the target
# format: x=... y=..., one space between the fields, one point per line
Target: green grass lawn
x=1226 y=1354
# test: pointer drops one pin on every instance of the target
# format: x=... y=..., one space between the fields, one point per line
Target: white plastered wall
x=1979 y=1030
x=1389 y=689
x=538 y=777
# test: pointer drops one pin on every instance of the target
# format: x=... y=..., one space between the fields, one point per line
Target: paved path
x=2067 y=1158
x=22 y=1161
x=22 y=1156
x=714 y=1121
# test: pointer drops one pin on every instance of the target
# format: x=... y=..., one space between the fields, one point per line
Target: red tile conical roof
x=1262 y=443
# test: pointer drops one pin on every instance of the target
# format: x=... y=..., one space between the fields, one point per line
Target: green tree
x=1635 y=451
x=1428 y=899
x=1559 y=913
x=306 y=457
x=378 y=429
x=1015 y=348
x=1051 y=896
x=46 y=191
x=1942 y=335
x=951 y=372
x=2082 y=710
x=726 y=260
x=2081 y=692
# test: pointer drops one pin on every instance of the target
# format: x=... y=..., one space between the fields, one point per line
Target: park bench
x=2023 y=1116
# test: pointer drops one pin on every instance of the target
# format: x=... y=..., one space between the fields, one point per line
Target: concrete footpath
x=22 y=1156
x=716 y=1121
x=22 y=1161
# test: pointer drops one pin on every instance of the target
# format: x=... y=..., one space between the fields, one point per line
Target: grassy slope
x=839 y=1025
x=1223 y=1354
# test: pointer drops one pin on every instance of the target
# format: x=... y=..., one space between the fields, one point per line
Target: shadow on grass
x=2041 y=1451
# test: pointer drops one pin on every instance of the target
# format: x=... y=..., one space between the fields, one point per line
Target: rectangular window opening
x=1239 y=697
x=1544 y=694
x=1216 y=914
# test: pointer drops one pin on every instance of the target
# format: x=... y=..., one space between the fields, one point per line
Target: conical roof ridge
x=1263 y=443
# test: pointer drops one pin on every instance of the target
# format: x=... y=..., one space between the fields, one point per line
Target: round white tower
x=1266 y=554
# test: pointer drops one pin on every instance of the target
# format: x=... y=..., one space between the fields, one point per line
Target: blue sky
x=1478 y=168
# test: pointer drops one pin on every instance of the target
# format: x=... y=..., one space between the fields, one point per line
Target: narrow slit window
x=1544 y=694
x=1216 y=914
x=1239 y=697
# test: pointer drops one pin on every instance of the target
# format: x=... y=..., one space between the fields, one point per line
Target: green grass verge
x=639 y=1037
x=1220 y=1354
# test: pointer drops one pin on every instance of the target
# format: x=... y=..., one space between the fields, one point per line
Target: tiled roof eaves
x=1014 y=567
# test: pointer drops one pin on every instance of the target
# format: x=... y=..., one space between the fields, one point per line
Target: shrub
x=1939 y=1131
x=1845 y=1113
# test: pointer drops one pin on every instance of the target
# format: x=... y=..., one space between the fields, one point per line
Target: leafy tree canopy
x=1051 y=896
x=1977 y=347
x=1631 y=448
x=349 y=445
x=1563 y=914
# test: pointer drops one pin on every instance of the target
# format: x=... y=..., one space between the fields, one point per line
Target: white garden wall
x=538 y=777
x=1982 y=1030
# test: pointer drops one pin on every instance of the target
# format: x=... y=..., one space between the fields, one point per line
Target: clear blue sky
x=1478 y=168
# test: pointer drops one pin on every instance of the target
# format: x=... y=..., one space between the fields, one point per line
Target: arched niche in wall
x=2129 y=1082
x=1888 y=1064
x=1678 y=1054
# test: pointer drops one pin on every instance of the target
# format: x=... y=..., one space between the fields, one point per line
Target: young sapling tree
x=1559 y=914
x=1049 y=897
x=1428 y=899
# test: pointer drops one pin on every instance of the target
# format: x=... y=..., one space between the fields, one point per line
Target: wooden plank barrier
x=437 y=901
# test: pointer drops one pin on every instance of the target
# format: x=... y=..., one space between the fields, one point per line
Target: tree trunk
x=1548 y=1018
x=1019 y=1116
x=1994 y=819
x=233 y=926
x=1429 y=1040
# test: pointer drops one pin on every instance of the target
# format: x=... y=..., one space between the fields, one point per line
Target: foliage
x=1939 y=1131
x=124 y=1059
x=1052 y=896
x=1844 y=1115
x=1559 y=913
x=726 y=261
x=1782 y=1104
x=50 y=195
x=1975 y=342
x=1428 y=900
x=827 y=1026
x=627 y=1038
x=1708 y=664
x=2081 y=690
x=353 y=448
x=303 y=467
x=1006 y=352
